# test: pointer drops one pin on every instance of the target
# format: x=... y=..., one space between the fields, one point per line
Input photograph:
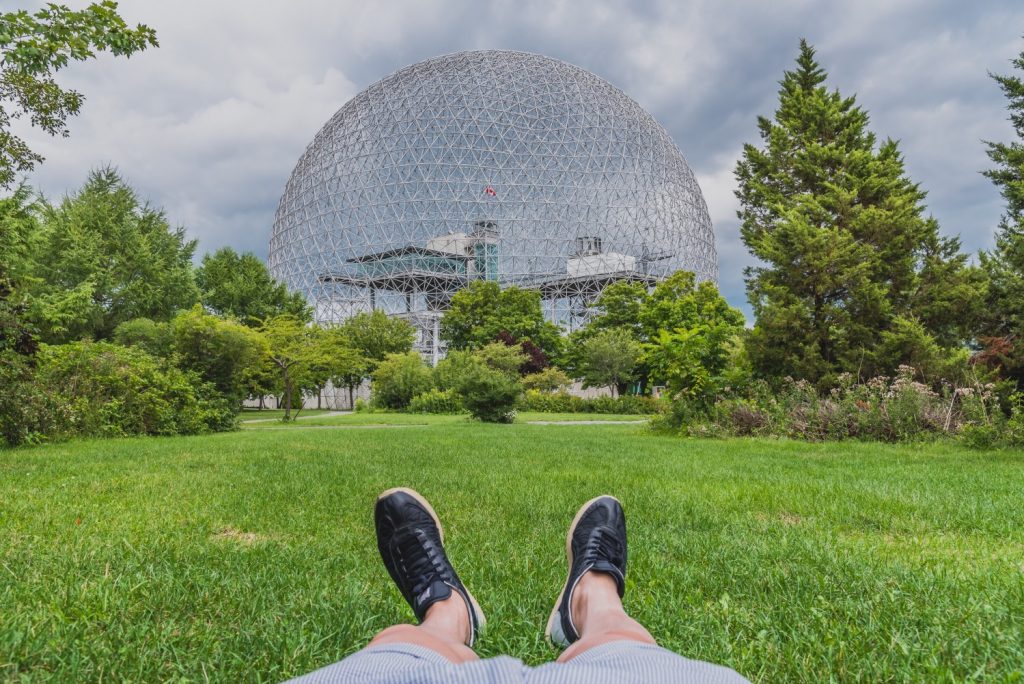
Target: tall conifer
x=847 y=254
x=1003 y=329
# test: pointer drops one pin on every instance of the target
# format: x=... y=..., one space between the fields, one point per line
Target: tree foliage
x=375 y=335
x=34 y=47
x=102 y=258
x=220 y=351
x=240 y=286
x=609 y=358
x=482 y=313
x=843 y=239
x=679 y=320
x=399 y=378
x=1003 y=322
x=290 y=349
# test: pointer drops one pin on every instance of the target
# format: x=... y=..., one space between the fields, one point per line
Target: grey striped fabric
x=618 y=662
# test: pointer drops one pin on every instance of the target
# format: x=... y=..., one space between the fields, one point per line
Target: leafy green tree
x=842 y=236
x=33 y=47
x=482 y=312
x=610 y=359
x=399 y=378
x=375 y=335
x=289 y=344
x=501 y=357
x=239 y=285
x=103 y=258
x=152 y=337
x=652 y=319
x=1003 y=324
x=220 y=351
x=19 y=398
x=333 y=360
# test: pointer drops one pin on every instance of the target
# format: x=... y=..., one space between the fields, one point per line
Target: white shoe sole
x=481 y=619
x=554 y=617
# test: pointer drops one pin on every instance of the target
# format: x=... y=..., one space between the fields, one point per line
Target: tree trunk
x=261 y=402
x=351 y=398
x=319 y=396
x=287 y=397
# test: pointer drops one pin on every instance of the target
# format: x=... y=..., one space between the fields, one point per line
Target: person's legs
x=445 y=630
x=599 y=616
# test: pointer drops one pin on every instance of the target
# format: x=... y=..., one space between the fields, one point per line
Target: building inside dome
x=496 y=165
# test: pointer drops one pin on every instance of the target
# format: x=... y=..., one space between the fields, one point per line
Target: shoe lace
x=420 y=556
x=604 y=544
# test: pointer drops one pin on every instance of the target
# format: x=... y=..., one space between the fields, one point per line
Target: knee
x=395 y=634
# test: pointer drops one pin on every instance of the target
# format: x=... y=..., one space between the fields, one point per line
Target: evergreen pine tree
x=1003 y=327
x=845 y=248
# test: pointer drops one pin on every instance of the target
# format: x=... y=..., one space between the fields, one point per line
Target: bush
x=101 y=389
x=563 y=402
x=488 y=394
x=888 y=409
x=398 y=379
x=436 y=401
x=548 y=380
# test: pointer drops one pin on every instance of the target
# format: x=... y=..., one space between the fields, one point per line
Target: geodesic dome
x=495 y=165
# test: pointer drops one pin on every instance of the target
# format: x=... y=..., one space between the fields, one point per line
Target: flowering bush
x=889 y=409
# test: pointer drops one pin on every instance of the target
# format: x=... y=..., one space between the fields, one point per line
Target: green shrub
x=362 y=406
x=489 y=395
x=550 y=379
x=398 y=379
x=102 y=389
x=436 y=401
x=563 y=402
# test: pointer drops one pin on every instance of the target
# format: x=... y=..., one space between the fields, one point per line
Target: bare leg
x=445 y=630
x=599 y=616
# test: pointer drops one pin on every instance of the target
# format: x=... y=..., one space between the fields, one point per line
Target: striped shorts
x=617 y=662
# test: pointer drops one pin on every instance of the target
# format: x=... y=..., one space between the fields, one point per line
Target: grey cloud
x=210 y=124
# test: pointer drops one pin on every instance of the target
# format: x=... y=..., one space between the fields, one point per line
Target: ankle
x=449 y=619
x=595 y=601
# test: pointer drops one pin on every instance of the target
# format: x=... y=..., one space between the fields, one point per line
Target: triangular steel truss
x=501 y=165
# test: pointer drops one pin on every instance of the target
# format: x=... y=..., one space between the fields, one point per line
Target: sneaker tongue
x=606 y=567
x=437 y=591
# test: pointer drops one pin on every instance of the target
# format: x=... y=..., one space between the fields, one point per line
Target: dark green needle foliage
x=1003 y=326
x=847 y=253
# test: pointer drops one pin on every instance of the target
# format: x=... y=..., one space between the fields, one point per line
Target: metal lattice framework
x=499 y=165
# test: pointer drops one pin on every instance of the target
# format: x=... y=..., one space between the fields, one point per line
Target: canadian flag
x=490 y=191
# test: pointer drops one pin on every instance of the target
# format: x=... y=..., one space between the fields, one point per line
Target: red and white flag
x=490 y=191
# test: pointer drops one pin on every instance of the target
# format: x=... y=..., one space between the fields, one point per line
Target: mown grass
x=250 y=556
x=397 y=418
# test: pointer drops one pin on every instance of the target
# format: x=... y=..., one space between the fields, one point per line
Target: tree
x=152 y=337
x=103 y=258
x=842 y=236
x=289 y=342
x=36 y=46
x=375 y=335
x=1003 y=324
x=333 y=360
x=482 y=312
x=609 y=359
x=220 y=351
x=399 y=378
x=659 y=317
x=239 y=285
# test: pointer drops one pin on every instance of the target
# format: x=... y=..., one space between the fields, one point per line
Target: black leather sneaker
x=596 y=542
x=411 y=543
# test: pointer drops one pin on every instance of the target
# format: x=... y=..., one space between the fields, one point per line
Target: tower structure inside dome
x=495 y=165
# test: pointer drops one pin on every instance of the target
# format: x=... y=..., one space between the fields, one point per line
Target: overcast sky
x=211 y=123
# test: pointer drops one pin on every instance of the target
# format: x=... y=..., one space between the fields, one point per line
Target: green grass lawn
x=395 y=418
x=250 y=556
x=257 y=414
